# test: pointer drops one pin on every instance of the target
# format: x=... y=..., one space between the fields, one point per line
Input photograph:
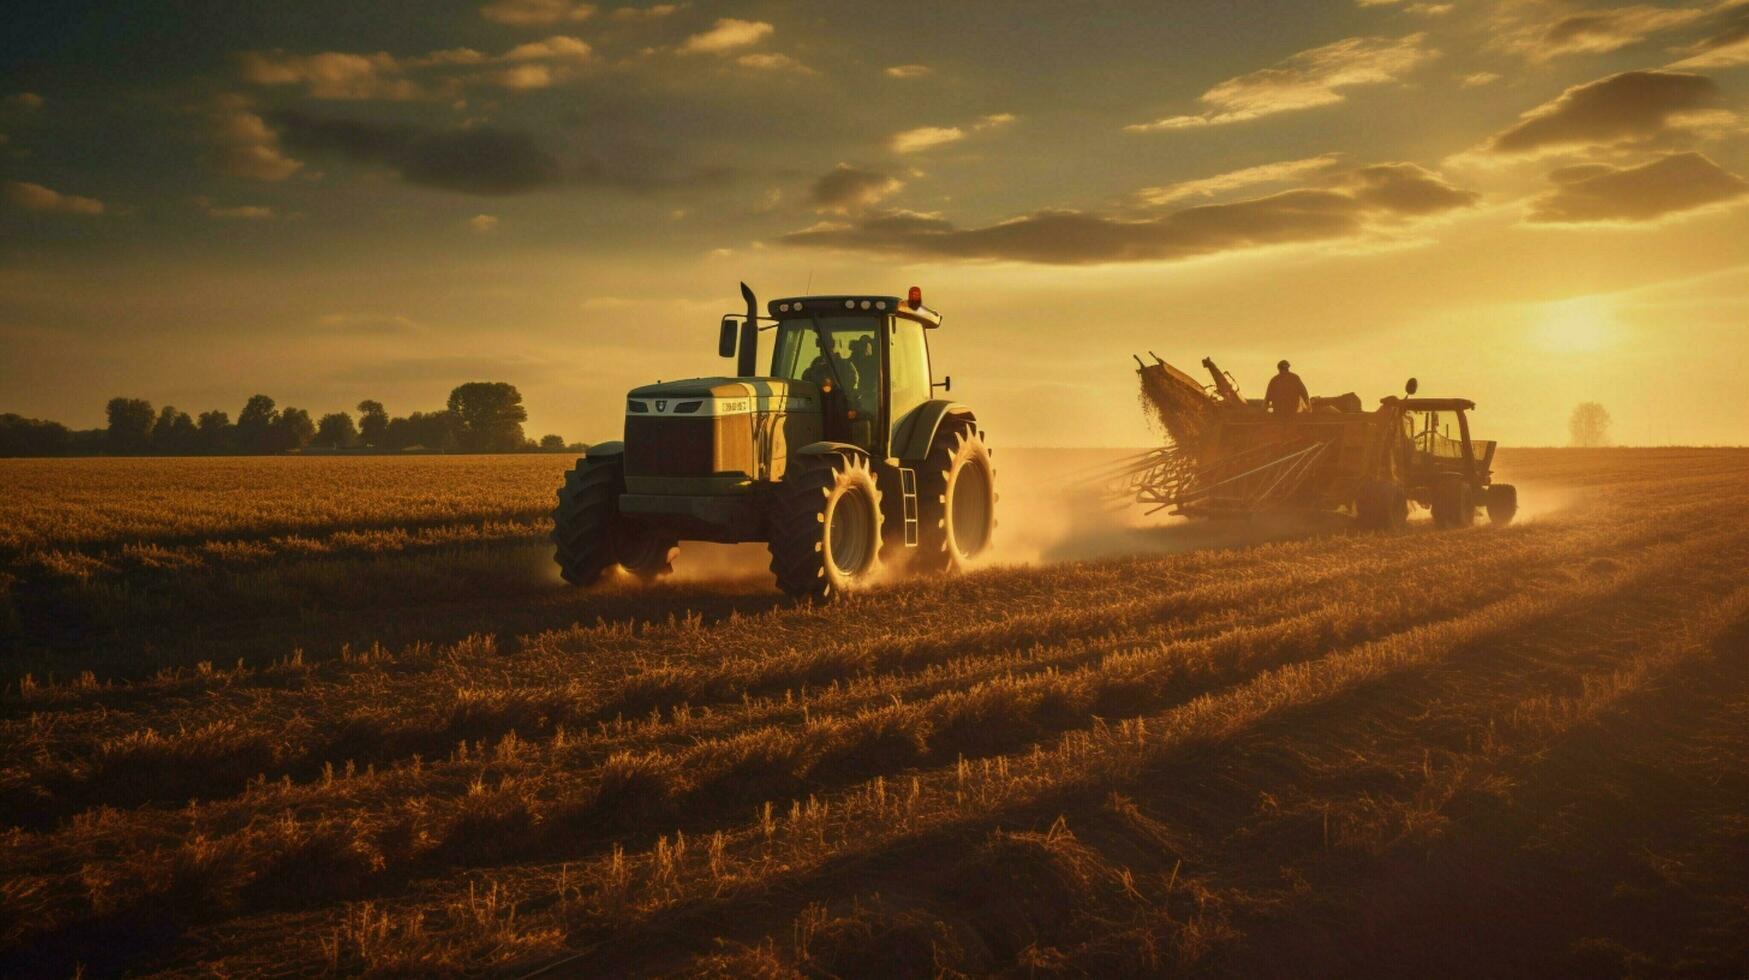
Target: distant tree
x=552 y=443
x=489 y=416
x=215 y=434
x=436 y=430
x=255 y=425
x=130 y=425
x=1589 y=425
x=373 y=422
x=292 y=430
x=335 y=431
x=20 y=436
x=174 y=433
x=88 y=442
x=422 y=430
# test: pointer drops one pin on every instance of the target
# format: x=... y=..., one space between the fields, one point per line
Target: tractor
x=1230 y=457
x=839 y=457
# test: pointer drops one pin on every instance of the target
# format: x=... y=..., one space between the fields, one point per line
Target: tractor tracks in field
x=1479 y=664
x=220 y=747
x=819 y=763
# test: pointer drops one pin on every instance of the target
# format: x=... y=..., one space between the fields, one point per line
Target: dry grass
x=1319 y=754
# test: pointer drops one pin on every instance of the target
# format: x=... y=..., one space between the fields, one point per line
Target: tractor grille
x=688 y=446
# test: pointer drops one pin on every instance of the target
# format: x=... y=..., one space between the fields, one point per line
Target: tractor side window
x=908 y=357
x=797 y=349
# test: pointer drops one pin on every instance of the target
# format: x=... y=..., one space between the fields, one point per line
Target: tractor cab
x=1436 y=432
x=1442 y=467
x=868 y=357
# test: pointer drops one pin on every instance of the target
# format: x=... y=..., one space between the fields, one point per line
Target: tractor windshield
x=1431 y=435
x=851 y=358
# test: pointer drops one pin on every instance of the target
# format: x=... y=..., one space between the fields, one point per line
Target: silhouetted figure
x=1287 y=393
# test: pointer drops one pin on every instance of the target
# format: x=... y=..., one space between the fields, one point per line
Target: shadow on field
x=1177 y=535
x=128 y=627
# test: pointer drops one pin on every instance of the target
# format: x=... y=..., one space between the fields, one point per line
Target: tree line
x=480 y=417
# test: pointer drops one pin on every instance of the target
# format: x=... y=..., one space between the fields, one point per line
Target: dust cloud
x=1046 y=514
x=702 y=561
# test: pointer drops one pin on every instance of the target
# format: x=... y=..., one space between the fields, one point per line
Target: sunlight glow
x=1579 y=326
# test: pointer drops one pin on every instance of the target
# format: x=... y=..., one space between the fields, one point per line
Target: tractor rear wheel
x=956 y=500
x=1453 y=505
x=1381 y=506
x=826 y=527
x=590 y=536
x=1502 y=501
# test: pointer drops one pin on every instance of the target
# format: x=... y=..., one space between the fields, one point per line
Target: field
x=339 y=715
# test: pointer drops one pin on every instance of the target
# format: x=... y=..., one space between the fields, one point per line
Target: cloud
x=1728 y=44
x=846 y=188
x=248 y=147
x=1363 y=200
x=558 y=47
x=773 y=62
x=727 y=35
x=528 y=13
x=646 y=13
x=1404 y=190
x=483 y=224
x=927 y=137
x=1267 y=173
x=1597 y=31
x=524 y=77
x=1668 y=185
x=36 y=197
x=477 y=160
x=486 y=160
x=1307 y=80
x=331 y=74
x=244 y=212
x=27 y=101
x=1479 y=78
x=339 y=75
x=924 y=137
x=1431 y=9
x=1633 y=106
x=907 y=71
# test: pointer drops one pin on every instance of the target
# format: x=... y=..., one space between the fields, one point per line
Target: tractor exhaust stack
x=747 y=364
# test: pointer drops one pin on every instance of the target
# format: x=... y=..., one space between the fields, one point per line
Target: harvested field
x=339 y=716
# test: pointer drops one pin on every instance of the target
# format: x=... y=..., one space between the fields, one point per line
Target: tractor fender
x=602 y=450
x=917 y=430
x=826 y=448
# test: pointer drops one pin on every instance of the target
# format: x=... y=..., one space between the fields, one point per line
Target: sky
x=1531 y=203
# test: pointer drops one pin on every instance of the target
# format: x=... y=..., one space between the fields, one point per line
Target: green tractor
x=839 y=457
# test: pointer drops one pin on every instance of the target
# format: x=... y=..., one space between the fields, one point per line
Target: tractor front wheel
x=956 y=500
x=590 y=536
x=1453 y=505
x=1381 y=506
x=826 y=527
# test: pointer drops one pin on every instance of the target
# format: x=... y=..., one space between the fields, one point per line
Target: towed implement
x=1232 y=457
x=838 y=457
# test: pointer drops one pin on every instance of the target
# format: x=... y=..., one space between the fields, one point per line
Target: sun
x=1578 y=326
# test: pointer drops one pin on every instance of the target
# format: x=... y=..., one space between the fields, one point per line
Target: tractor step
x=908 y=490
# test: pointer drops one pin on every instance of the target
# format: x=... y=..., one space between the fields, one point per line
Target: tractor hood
x=721 y=396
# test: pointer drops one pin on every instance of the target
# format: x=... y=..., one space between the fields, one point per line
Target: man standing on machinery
x=1287 y=393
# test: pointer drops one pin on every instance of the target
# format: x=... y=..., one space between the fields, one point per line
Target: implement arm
x=1223 y=383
